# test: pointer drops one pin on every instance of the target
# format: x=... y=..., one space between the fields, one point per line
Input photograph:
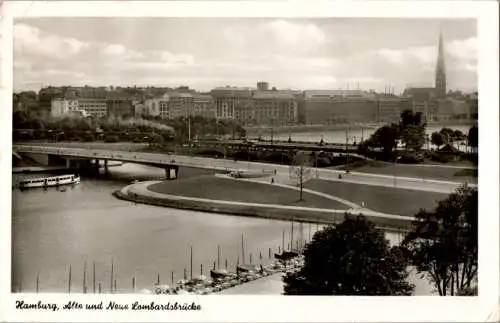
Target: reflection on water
x=86 y=225
x=339 y=136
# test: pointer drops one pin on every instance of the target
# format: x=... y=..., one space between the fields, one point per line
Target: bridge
x=278 y=145
x=89 y=158
x=85 y=157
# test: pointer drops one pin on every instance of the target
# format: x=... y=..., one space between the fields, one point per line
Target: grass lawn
x=216 y=188
x=426 y=172
x=382 y=199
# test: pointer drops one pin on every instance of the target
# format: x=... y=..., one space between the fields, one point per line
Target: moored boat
x=219 y=274
x=286 y=255
x=49 y=181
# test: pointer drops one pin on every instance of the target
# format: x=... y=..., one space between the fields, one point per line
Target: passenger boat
x=49 y=181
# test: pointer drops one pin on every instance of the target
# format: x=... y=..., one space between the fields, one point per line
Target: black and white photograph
x=183 y=156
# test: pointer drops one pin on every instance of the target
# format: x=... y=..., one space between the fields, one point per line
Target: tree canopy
x=385 y=137
x=473 y=138
x=352 y=258
x=443 y=242
x=412 y=129
x=437 y=139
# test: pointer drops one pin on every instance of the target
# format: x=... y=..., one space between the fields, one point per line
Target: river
x=52 y=230
x=339 y=135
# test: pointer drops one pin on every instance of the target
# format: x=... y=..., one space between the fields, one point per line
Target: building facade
x=452 y=109
x=157 y=106
x=339 y=106
x=274 y=107
x=262 y=86
x=203 y=105
x=94 y=107
x=178 y=105
x=233 y=103
x=119 y=104
x=390 y=108
x=428 y=109
x=60 y=106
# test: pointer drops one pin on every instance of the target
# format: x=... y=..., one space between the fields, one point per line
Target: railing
x=135 y=157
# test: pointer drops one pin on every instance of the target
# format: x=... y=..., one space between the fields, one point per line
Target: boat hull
x=49 y=182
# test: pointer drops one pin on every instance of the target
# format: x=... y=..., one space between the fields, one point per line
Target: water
x=339 y=136
x=86 y=224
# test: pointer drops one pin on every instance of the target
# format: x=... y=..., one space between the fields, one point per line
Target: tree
x=413 y=136
x=473 y=138
x=443 y=243
x=448 y=134
x=458 y=135
x=385 y=137
x=353 y=258
x=301 y=172
x=437 y=139
x=409 y=118
x=412 y=129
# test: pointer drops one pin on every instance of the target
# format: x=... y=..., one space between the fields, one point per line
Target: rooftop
x=311 y=94
x=273 y=95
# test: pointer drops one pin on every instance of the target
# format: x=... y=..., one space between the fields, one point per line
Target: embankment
x=285 y=213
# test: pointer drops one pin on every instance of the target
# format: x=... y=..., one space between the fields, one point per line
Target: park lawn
x=425 y=172
x=378 y=198
x=216 y=188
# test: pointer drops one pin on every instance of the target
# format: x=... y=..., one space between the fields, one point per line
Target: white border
x=289 y=309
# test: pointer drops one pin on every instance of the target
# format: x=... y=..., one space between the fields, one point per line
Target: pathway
x=141 y=189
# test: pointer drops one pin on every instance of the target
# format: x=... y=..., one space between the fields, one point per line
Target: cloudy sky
x=322 y=53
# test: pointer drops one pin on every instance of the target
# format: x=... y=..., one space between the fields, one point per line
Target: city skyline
x=206 y=53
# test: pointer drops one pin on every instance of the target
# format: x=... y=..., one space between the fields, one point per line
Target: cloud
x=424 y=55
x=463 y=49
x=28 y=39
x=294 y=34
x=114 y=50
x=288 y=53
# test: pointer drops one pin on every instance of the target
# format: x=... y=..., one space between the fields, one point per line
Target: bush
x=410 y=159
x=441 y=158
x=112 y=138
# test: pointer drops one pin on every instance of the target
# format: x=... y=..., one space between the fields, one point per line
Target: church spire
x=440 y=69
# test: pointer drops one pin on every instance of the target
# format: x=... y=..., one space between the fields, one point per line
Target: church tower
x=440 y=70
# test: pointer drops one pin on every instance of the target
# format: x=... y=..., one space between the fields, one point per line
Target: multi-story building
x=339 y=106
x=164 y=108
x=452 y=109
x=85 y=92
x=233 y=103
x=391 y=106
x=275 y=107
x=179 y=104
x=119 y=104
x=262 y=86
x=60 y=106
x=139 y=107
x=157 y=106
x=203 y=105
x=94 y=107
x=46 y=95
x=428 y=109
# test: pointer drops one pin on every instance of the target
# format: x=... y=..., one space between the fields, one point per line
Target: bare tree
x=301 y=172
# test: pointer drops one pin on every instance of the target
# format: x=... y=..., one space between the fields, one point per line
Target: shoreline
x=280 y=129
x=282 y=213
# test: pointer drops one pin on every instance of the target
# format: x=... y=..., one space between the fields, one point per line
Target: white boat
x=49 y=181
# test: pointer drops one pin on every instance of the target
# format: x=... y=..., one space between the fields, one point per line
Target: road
x=160 y=160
